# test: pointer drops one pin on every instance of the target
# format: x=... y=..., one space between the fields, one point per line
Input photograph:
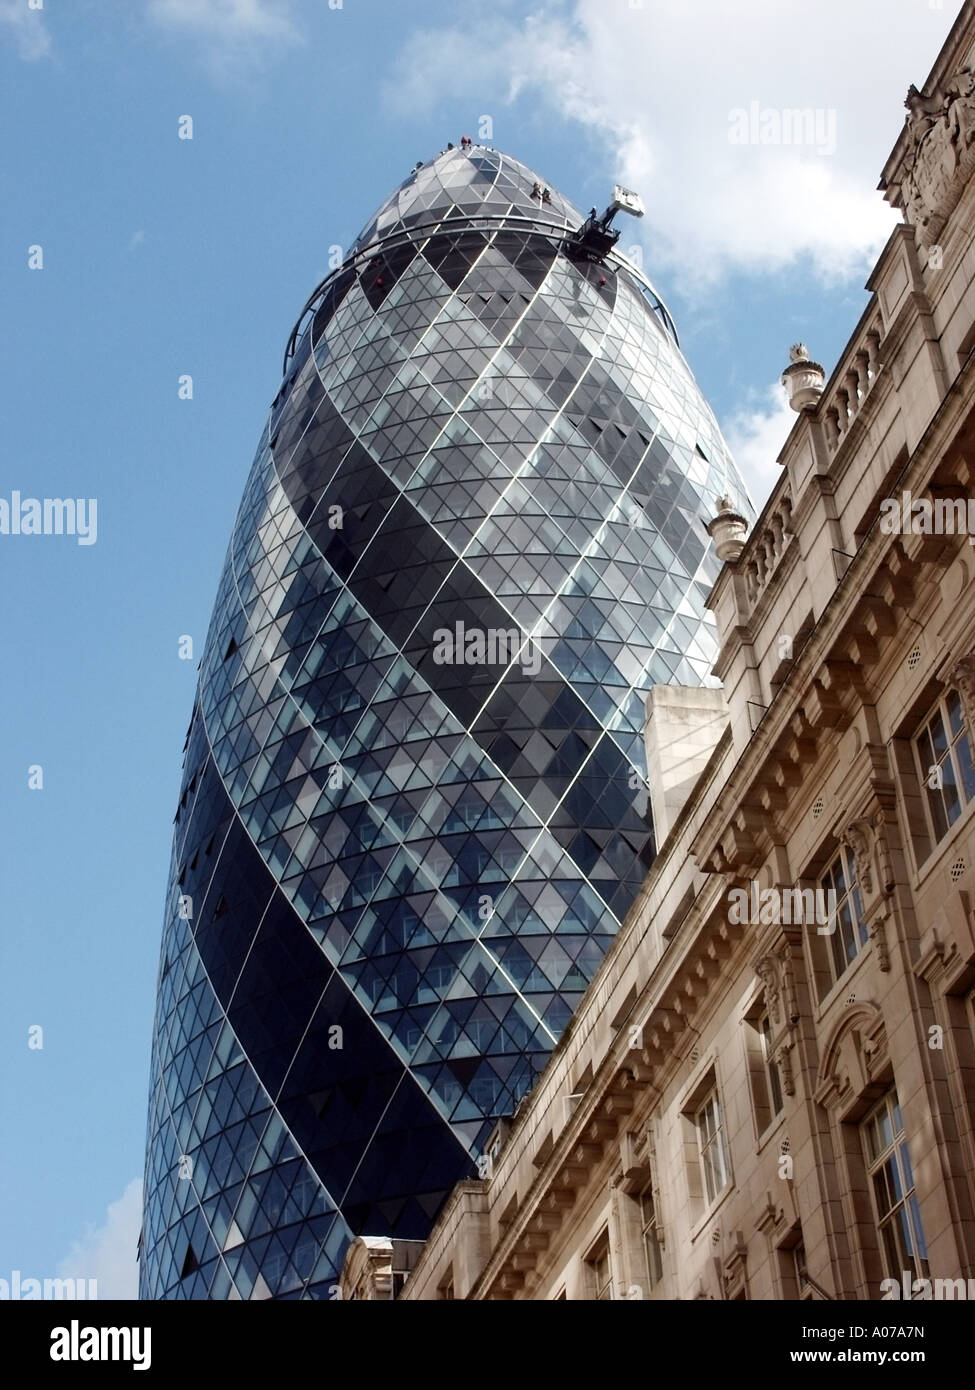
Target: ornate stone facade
x=935 y=159
x=941 y=152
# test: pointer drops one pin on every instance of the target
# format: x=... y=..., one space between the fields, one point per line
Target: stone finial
x=728 y=529
x=803 y=379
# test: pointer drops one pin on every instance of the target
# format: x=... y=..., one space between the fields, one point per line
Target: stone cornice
x=850 y=631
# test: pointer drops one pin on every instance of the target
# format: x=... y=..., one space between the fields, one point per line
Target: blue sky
x=164 y=257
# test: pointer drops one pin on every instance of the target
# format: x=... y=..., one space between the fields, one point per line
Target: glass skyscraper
x=413 y=808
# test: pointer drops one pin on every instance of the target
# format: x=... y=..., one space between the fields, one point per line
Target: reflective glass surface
x=413 y=809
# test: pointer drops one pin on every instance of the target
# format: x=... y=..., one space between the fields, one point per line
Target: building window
x=801 y=1271
x=947 y=768
x=764 y=1074
x=600 y=1273
x=892 y=1183
x=712 y=1145
x=651 y=1236
x=849 y=934
x=793 y=1281
x=770 y=1067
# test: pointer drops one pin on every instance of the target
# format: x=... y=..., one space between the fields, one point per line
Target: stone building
x=768 y=1090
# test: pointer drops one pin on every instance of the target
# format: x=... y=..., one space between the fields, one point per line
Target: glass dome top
x=464 y=183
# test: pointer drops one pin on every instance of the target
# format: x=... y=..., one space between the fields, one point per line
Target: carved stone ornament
x=768 y=972
x=857 y=837
x=782 y=1057
x=878 y=936
x=962 y=677
x=882 y=849
x=941 y=155
x=867 y=839
x=790 y=992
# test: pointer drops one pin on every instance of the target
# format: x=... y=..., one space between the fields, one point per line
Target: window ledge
x=770 y=1131
x=944 y=848
x=703 y=1221
x=844 y=982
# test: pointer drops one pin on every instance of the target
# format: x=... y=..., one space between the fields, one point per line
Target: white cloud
x=108 y=1252
x=234 y=34
x=136 y=239
x=28 y=29
x=755 y=435
x=656 y=85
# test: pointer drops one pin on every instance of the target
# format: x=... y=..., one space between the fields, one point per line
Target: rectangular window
x=763 y=1072
x=772 y=1078
x=600 y=1273
x=801 y=1272
x=945 y=763
x=712 y=1146
x=892 y=1184
x=651 y=1237
x=849 y=934
x=793 y=1281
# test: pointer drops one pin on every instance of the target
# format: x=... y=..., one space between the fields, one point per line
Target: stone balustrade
x=854 y=381
x=766 y=546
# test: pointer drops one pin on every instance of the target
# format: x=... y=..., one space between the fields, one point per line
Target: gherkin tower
x=413 y=810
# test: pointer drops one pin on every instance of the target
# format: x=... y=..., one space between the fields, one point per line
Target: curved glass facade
x=413 y=809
